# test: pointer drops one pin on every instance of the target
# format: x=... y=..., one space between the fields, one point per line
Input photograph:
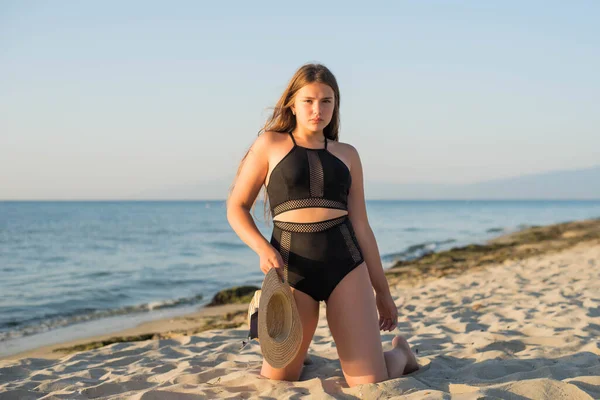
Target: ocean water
x=72 y=269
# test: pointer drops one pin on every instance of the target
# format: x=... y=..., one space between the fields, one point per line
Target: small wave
x=415 y=251
x=49 y=322
x=228 y=245
x=101 y=247
x=169 y=282
x=99 y=274
x=164 y=232
x=55 y=259
x=522 y=227
x=212 y=230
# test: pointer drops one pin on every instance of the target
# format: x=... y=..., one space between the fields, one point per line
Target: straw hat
x=279 y=325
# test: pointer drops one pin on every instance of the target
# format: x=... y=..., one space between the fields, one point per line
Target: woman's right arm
x=252 y=174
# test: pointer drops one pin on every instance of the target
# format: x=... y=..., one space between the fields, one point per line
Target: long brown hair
x=282 y=120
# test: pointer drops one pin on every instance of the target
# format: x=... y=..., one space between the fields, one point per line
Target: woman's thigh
x=353 y=321
x=308 y=309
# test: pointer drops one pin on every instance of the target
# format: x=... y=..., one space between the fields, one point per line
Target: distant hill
x=565 y=184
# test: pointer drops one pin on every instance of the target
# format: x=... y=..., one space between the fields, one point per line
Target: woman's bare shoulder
x=346 y=146
x=268 y=139
x=262 y=144
x=347 y=149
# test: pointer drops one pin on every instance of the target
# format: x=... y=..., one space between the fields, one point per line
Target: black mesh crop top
x=308 y=178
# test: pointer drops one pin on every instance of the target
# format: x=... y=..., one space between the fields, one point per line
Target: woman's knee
x=308 y=310
x=361 y=380
x=291 y=372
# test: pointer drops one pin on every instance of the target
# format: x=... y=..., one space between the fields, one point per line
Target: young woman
x=314 y=185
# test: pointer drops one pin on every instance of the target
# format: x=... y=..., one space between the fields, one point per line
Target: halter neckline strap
x=308 y=148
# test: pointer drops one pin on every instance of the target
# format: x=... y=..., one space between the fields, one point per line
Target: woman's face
x=313 y=106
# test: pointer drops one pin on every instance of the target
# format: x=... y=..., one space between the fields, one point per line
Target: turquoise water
x=66 y=263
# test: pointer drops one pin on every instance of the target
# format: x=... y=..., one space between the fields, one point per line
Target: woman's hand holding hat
x=270 y=258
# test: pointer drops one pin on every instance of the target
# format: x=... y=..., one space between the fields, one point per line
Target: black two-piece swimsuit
x=318 y=255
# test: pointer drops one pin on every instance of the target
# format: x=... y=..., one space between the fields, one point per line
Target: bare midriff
x=314 y=214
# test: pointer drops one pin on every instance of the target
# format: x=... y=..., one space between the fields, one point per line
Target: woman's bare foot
x=411 y=361
x=395 y=360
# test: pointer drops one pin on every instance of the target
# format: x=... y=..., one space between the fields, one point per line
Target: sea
x=74 y=269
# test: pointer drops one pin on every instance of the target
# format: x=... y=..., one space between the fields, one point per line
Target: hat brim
x=279 y=324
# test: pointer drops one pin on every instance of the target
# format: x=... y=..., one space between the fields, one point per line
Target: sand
x=524 y=329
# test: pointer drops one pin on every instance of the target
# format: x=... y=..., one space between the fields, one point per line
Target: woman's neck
x=307 y=136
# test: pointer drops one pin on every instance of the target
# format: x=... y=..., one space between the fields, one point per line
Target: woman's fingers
x=270 y=264
x=278 y=270
x=388 y=325
x=392 y=325
x=383 y=323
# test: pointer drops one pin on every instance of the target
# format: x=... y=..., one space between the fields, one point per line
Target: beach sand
x=517 y=329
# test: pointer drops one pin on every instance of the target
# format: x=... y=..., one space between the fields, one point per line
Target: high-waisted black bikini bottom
x=318 y=254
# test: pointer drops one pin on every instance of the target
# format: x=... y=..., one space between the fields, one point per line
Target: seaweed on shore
x=234 y=295
x=529 y=242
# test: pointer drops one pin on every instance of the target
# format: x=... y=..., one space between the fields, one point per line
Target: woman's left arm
x=357 y=213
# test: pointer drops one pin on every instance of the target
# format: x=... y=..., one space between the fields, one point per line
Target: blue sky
x=108 y=99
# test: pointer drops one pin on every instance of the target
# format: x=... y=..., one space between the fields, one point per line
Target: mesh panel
x=286 y=242
x=350 y=243
x=316 y=174
x=308 y=227
x=306 y=203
